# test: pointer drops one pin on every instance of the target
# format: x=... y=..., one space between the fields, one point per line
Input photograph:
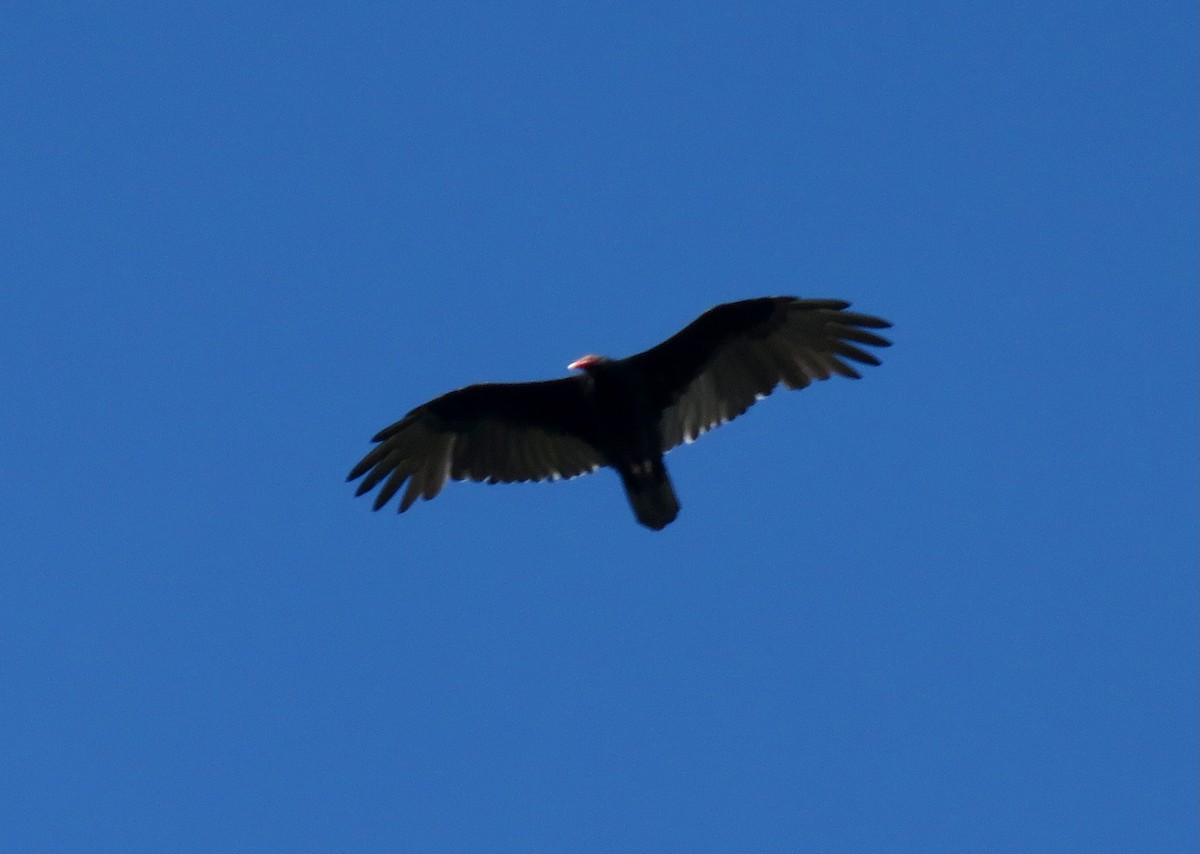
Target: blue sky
x=950 y=607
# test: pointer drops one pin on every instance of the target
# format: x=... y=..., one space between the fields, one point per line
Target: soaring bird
x=623 y=413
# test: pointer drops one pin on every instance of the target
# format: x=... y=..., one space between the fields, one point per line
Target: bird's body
x=623 y=413
x=628 y=436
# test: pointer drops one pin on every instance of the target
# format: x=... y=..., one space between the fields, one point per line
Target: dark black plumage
x=624 y=413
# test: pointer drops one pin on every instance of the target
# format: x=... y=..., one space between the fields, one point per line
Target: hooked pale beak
x=583 y=362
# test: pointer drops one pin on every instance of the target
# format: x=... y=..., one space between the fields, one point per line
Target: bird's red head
x=585 y=362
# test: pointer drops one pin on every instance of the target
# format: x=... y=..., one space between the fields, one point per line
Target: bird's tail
x=651 y=495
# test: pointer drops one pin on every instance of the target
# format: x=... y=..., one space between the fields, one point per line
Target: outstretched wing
x=495 y=432
x=732 y=355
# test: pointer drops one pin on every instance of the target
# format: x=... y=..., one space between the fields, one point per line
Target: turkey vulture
x=624 y=413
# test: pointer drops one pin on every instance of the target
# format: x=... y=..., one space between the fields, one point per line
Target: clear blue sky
x=951 y=607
